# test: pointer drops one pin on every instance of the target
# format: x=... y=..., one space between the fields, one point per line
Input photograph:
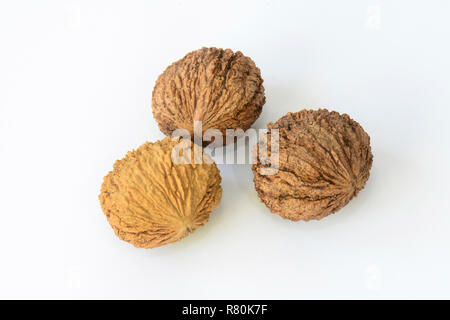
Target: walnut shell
x=218 y=87
x=324 y=161
x=149 y=201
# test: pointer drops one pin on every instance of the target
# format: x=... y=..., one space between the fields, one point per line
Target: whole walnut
x=220 y=88
x=150 y=201
x=324 y=161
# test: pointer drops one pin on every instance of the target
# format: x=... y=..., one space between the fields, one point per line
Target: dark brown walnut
x=324 y=161
x=221 y=88
x=150 y=201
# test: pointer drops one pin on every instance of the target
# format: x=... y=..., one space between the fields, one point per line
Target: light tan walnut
x=150 y=201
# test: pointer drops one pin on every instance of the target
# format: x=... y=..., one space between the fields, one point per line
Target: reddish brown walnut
x=220 y=88
x=324 y=161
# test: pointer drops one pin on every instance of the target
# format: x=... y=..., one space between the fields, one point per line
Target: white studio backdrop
x=76 y=79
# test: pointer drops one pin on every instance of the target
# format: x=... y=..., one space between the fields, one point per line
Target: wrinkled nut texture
x=149 y=201
x=324 y=161
x=218 y=87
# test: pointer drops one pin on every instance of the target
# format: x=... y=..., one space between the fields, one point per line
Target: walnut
x=150 y=201
x=218 y=87
x=324 y=161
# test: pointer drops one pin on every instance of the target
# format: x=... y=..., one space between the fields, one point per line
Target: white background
x=76 y=80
